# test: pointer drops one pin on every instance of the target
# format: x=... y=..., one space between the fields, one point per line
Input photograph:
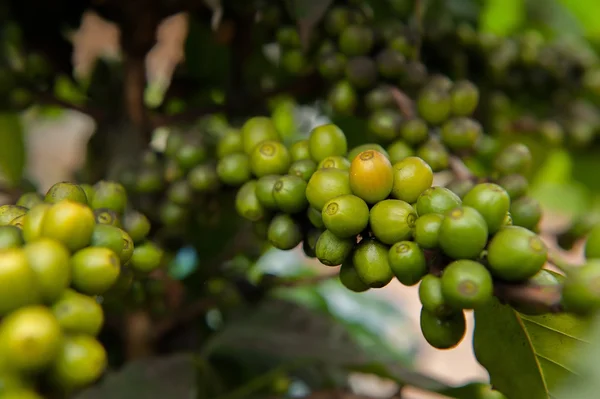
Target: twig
x=460 y=170
x=404 y=102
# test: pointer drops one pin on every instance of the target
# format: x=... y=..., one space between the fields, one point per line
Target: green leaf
x=552 y=18
x=307 y=14
x=502 y=17
x=586 y=384
x=527 y=357
x=292 y=334
x=588 y=14
x=12 y=148
x=155 y=378
x=65 y=89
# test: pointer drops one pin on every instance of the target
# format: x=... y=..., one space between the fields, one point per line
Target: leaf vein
x=556 y=363
x=554 y=330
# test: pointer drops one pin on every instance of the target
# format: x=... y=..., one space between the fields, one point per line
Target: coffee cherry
x=398 y=151
x=10 y=237
x=32 y=223
x=172 y=215
x=551 y=132
x=180 y=193
x=203 y=178
x=435 y=154
x=337 y=19
x=230 y=143
x=516 y=158
x=288 y=36
x=414 y=131
x=516 y=185
x=434 y=104
x=370 y=259
x=325 y=141
x=432 y=298
x=345 y=215
x=137 y=225
x=371 y=176
x=30 y=339
x=443 y=333
x=81 y=360
x=390 y=63
x=392 y=221
x=66 y=191
x=146 y=257
x=315 y=218
x=516 y=253
x=289 y=194
x=78 y=314
x=247 y=204
x=466 y=284
x=380 y=97
x=349 y=277
x=94 y=270
x=304 y=168
x=335 y=161
x=342 y=98
x=49 y=261
x=356 y=40
x=107 y=217
x=543 y=279
x=365 y=147
x=284 y=232
x=309 y=242
x=581 y=290
x=19 y=281
x=109 y=195
x=333 y=66
x=234 y=169
x=69 y=222
x=491 y=201
x=427 y=230
x=269 y=158
x=331 y=250
x=29 y=200
x=465 y=97
x=300 y=150
x=361 y=72
x=385 y=124
x=526 y=212
x=10 y=212
x=326 y=184
x=264 y=191
x=294 y=62
x=461 y=133
x=463 y=233
x=412 y=176
x=407 y=261
x=257 y=130
x=437 y=200
x=191 y=153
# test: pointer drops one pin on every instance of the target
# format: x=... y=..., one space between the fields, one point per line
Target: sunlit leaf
x=527 y=357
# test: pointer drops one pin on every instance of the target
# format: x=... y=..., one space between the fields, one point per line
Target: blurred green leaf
x=588 y=13
x=65 y=89
x=154 y=378
x=502 y=17
x=527 y=357
x=552 y=18
x=295 y=335
x=586 y=384
x=12 y=148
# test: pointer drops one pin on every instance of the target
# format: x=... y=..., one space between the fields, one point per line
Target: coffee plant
x=437 y=130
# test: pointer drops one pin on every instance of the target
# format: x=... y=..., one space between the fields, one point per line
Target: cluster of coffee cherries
x=61 y=255
x=381 y=220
